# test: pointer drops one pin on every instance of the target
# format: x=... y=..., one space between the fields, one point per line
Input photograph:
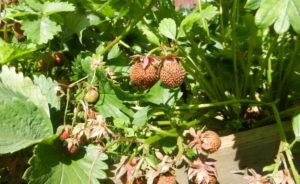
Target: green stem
x=67 y=106
x=285 y=144
x=180 y=147
x=153 y=50
x=163 y=132
x=215 y=104
x=294 y=142
x=198 y=75
x=268 y=60
x=234 y=46
x=76 y=82
x=75 y=115
x=289 y=156
x=278 y=122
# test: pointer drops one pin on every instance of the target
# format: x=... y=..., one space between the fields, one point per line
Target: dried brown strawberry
x=58 y=58
x=64 y=132
x=195 y=138
x=172 y=73
x=128 y=172
x=166 y=178
x=162 y=172
x=212 y=180
x=81 y=133
x=64 y=135
x=98 y=128
x=210 y=141
x=72 y=145
x=254 y=178
x=19 y=34
x=202 y=171
x=144 y=73
x=91 y=113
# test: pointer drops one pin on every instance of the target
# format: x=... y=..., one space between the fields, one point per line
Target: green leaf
x=114 y=52
x=23 y=85
x=284 y=12
x=140 y=117
x=9 y=52
x=110 y=105
x=152 y=38
x=40 y=31
x=49 y=90
x=268 y=12
x=196 y=17
x=167 y=27
x=77 y=23
x=252 y=4
x=160 y=95
x=34 y=5
x=294 y=14
x=187 y=23
x=56 y=7
x=296 y=125
x=22 y=123
x=282 y=23
x=52 y=164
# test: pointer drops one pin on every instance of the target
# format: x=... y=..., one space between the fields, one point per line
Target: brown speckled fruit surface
x=172 y=74
x=143 y=77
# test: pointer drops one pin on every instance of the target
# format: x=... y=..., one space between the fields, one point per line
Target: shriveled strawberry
x=172 y=73
x=136 y=181
x=166 y=178
x=73 y=149
x=64 y=132
x=19 y=34
x=72 y=145
x=64 y=135
x=144 y=73
x=58 y=58
x=211 y=141
x=212 y=180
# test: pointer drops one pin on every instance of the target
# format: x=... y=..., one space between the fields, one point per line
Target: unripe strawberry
x=211 y=141
x=143 y=77
x=167 y=178
x=92 y=95
x=172 y=73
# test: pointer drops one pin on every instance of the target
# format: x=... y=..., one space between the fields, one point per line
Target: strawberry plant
x=115 y=91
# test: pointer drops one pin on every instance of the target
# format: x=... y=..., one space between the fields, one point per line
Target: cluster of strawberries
x=91 y=132
x=147 y=70
x=201 y=170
